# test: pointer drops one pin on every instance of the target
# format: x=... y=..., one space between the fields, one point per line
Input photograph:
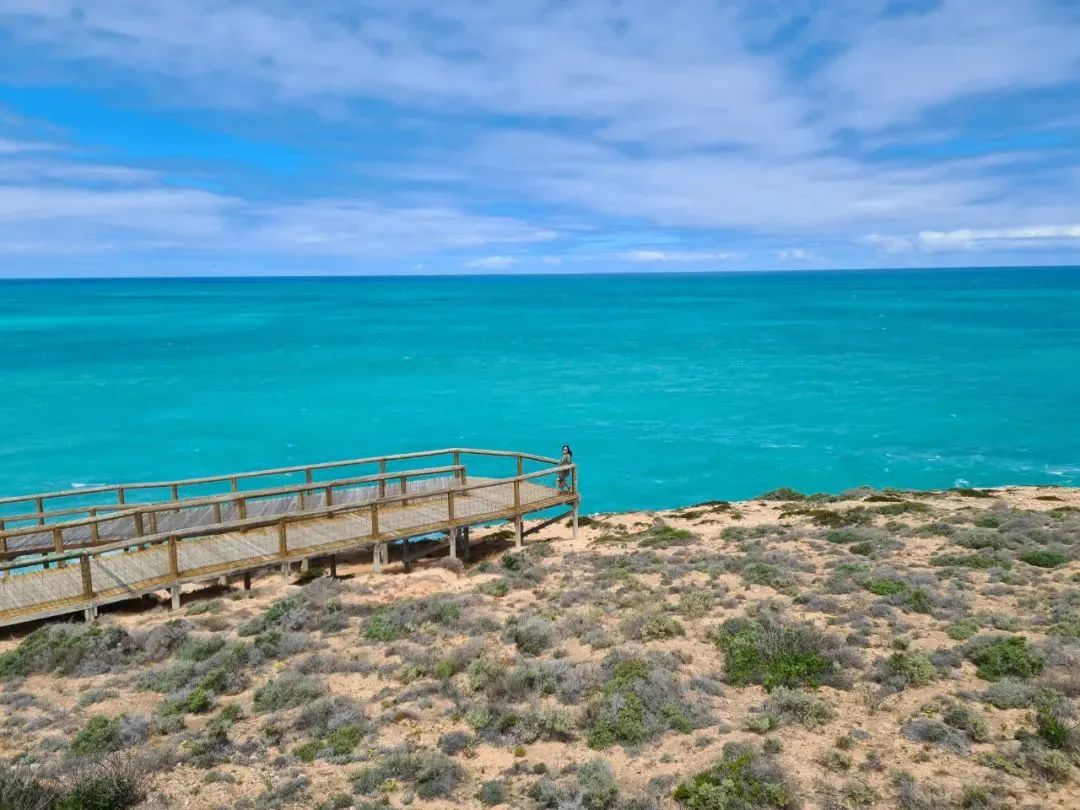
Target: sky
x=232 y=137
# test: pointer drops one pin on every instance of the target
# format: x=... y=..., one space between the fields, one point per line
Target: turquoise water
x=672 y=389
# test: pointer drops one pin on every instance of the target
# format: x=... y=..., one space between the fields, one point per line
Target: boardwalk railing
x=95 y=559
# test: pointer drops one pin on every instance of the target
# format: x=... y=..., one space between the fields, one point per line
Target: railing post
x=176 y=492
x=39 y=504
x=217 y=511
x=458 y=474
x=241 y=506
x=283 y=550
x=450 y=505
x=95 y=533
x=120 y=496
x=382 y=481
x=87 y=580
x=375 y=519
x=520 y=465
x=137 y=518
x=307 y=475
x=329 y=496
x=404 y=489
x=233 y=484
x=58 y=545
x=174 y=560
x=517 y=493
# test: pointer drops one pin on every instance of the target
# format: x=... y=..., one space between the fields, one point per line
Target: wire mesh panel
x=221 y=550
x=30 y=591
x=345 y=528
x=129 y=571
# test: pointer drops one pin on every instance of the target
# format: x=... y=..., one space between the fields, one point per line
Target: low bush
x=287 y=691
x=774 y=652
x=997 y=657
x=907 y=668
x=532 y=635
x=1044 y=559
x=316 y=607
x=797 y=706
x=69 y=650
x=743 y=779
x=407 y=618
x=639 y=698
x=431 y=774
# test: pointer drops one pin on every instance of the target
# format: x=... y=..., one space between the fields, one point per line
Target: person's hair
x=566 y=447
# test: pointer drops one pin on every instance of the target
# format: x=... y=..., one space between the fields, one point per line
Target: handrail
x=213 y=479
x=290 y=517
x=230 y=497
x=234 y=478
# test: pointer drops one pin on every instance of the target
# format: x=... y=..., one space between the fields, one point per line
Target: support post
x=58 y=545
x=175 y=593
x=333 y=566
x=305 y=565
x=223 y=582
x=574 y=519
x=453 y=542
x=283 y=551
x=247 y=580
x=519 y=528
x=87 y=584
x=465 y=542
x=405 y=561
x=174 y=560
x=380 y=557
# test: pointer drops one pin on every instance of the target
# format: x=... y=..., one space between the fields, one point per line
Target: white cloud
x=492 y=262
x=968 y=238
x=700 y=116
x=677 y=256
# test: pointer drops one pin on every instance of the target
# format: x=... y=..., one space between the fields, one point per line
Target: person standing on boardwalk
x=564 y=475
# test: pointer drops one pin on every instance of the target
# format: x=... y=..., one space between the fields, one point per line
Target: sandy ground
x=876 y=723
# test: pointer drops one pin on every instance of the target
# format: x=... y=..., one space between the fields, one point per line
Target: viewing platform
x=62 y=552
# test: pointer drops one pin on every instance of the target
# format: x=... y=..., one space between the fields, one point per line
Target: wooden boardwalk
x=76 y=550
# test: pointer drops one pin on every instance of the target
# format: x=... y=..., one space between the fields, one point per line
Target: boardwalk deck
x=58 y=566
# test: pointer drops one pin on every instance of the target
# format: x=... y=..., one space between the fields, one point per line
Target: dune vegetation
x=918 y=650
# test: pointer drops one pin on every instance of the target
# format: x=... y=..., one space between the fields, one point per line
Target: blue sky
x=217 y=137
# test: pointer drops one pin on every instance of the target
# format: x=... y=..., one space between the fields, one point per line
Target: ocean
x=671 y=388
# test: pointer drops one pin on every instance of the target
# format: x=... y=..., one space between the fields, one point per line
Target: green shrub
x=997 y=657
x=401 y=620
x=198 y=701
x=914 y=668
x=773 y=652
x=639 y=700
x=1044 y=559
x=287 y=691
x=495 y=587
x=797 y=706
x=68 y=650
x=433 y=775
x=980 y=562
x=492 y=793
x=962 y=629
x=885 y=586
x=664 y=536
x=741 y=780
x=199 y=649
x=100 y=735
x=782 y=494
x=659 y=626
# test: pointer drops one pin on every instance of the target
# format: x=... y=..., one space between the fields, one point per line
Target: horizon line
x=553 y=274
